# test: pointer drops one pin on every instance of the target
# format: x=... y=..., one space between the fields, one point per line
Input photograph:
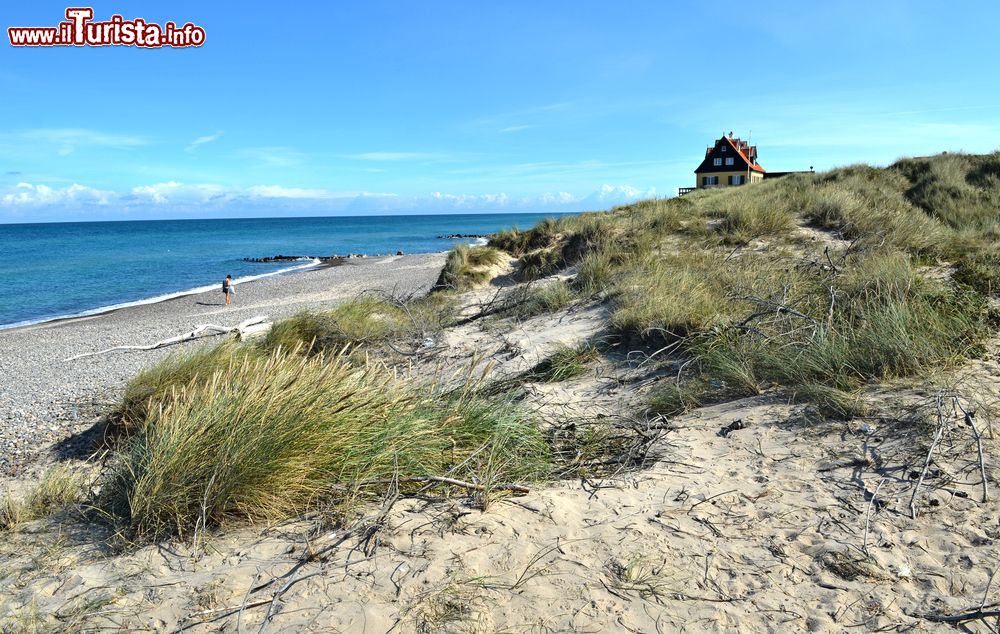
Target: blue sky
x=399 y=107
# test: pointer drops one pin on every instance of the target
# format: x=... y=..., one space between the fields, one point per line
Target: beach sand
x=765 y=526
x=44 y=399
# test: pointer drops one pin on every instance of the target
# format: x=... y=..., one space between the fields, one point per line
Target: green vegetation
x=154 y=385
x=367 y=323
x=565 y=363
x=818 y=320
x=980 y=269
x=277 y=434
x=58 y=489
x=533 y=300
x=722 y=288
x=467 y=267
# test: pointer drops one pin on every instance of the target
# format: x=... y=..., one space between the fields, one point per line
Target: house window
x=709 y=180
x=723 y=148
x=717 y=162
x=729 y=160
x=737 y=180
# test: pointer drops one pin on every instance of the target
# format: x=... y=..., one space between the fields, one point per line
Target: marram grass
x=274 y=435
x=860 y=294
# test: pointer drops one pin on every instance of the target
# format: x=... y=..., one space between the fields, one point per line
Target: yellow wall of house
x=755 y=177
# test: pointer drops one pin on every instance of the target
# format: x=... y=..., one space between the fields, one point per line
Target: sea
x=56 y=270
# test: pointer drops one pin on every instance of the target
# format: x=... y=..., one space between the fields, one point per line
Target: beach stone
x=44 y=398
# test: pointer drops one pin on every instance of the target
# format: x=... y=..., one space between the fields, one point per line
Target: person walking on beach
x=227 y=288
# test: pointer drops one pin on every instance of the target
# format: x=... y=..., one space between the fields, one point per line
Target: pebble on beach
x=45 y=399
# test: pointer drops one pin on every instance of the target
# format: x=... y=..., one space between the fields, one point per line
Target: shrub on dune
x=358 y=321
x=466 y=267
x=275 y=435
x=154 y=384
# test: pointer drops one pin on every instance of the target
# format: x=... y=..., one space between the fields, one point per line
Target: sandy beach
x=44 y=399
x=747 y=515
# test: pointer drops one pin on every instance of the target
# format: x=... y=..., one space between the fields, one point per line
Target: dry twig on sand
x=930 y=453
x=248 y=327
x=868 y=515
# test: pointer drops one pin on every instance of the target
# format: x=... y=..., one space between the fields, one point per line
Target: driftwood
x=971 y=422
x=930 y=454
x=513 y=488
x=247 y=328
x=868 y=515
x=975 y=615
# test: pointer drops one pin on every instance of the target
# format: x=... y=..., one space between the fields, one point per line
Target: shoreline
x=315 y=264
x=47 y=400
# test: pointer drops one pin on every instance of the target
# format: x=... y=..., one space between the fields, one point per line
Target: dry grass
x=366 y=323
x=467 y=267
x=59 y=488
x=819 y=325
x=565 y=363
x=278 y=434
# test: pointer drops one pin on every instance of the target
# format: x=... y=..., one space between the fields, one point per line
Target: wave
x=312 y=263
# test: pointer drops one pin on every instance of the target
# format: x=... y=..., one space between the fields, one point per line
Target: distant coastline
x=156 y=299
x=100 y=267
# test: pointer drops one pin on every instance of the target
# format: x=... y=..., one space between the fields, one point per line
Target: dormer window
x=717 y=162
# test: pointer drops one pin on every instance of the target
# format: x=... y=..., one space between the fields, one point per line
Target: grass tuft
x=536 y=299
x=565 y=363
x=13 y=512
x=467 y=267
x=275 y=435
x=359 y=321
x=59 y=488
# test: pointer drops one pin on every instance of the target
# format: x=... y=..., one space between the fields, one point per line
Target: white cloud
x=202 y=140
x=608 y=195
x=560 y=198
x=178 y=198
x=35 y=195
x=174 y=192
x=472 y=201
x=277 y=191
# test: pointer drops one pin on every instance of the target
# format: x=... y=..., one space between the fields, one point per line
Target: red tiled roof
x=744 y=150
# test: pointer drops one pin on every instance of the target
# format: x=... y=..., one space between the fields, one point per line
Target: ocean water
x=62 y=269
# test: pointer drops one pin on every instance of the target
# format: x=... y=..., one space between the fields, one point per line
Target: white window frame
x=729 y=160
x=717 y=162
x=711 y=180
x=723 y=148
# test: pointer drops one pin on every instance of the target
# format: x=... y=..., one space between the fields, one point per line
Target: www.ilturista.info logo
x=79 y=29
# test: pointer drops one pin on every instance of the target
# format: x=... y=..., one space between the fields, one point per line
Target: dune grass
x=750 y=320
x=277 y=434
x=354 y=322
x=535 y=299
x=154 y=385
x=361 y=323
x=59 y=487
x=467 y=267
x=565 y=363
x=12 y=512
x=980 y=269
